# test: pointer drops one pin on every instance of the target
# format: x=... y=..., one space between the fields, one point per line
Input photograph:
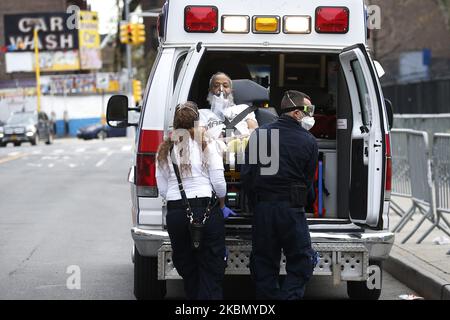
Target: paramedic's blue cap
x=294 y=100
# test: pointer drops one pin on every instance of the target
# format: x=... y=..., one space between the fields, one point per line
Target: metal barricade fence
x=441 y=173
x=441 y=168
x=420 y=180
x=420 y=167
x=401 y=181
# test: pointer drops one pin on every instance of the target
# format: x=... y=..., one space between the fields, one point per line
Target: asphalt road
x=65 y=212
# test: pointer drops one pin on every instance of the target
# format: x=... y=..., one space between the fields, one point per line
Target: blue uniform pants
x=278 y=227
x=203 y=269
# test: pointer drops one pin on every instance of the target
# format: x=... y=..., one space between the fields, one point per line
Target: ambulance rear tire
x=146 y=283
x=358 y=290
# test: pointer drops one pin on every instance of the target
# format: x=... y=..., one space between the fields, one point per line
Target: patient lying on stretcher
x=218 y=120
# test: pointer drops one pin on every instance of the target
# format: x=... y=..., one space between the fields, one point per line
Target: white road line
x=58 y=151
x=71 y=165
x=12 y=154
x=37 y=152
x=80 y=150
x=37 y=165
x=102 y=162
x=104 y=149
x=3 y=160
x=126 y=148
x=51 y=165
x=49 y=158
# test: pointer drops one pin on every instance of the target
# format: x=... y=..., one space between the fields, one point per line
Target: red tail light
x=145 y=170
x=201 y=19
x=332 y=19
x=388 y=185
x=149 y=141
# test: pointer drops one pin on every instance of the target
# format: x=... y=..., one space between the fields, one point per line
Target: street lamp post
x=37 y=68
x=128 y=48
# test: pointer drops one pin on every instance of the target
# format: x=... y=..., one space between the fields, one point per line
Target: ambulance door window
x=178 y=67
x=363 y=92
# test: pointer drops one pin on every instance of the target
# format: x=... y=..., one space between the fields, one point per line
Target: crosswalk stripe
x=102 y=161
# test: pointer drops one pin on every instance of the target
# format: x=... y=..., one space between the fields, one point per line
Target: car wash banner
x=63 y=44
x=53 y=32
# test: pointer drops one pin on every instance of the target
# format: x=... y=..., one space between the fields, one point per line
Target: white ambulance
x=315 y=46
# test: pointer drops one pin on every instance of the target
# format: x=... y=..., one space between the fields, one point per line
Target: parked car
x=1 y=129
x=100 y=131
x=27 y=127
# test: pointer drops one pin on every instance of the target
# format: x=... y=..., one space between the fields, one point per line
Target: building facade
x=413 y=43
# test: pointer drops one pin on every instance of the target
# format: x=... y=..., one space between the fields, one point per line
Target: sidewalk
x=424 y=267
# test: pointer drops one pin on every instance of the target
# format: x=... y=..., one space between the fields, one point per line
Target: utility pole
x=128 y=53
x=37 y=68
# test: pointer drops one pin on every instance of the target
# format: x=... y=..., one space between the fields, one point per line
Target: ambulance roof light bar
x=201 y=19
x=266 y=24
x=235 y=24
x=297 y=24
x=332 y=19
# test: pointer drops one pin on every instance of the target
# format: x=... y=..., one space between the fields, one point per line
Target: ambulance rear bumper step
x=342 y=261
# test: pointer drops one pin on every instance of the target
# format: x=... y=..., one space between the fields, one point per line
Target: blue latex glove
x=227 y=212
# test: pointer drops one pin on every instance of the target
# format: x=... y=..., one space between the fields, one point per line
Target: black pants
x=276 y=226
x=203 y=269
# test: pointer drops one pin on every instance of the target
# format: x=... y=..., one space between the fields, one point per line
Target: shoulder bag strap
x=180 y=184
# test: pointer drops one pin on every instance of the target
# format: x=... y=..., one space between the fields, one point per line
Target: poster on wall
x=89 y=41
x=49 y=61
x=59 y=61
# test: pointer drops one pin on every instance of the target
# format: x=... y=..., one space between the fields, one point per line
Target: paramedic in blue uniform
x=279 y=221
x=202 y=171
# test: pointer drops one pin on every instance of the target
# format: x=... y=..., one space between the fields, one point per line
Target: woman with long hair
x=201 y=170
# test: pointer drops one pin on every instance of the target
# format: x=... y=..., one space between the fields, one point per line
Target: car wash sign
x=53 y=32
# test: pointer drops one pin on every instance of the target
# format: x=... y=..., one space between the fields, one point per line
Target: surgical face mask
x=307 y=123
x=219 y=104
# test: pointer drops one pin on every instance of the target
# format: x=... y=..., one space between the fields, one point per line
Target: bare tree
x=444 y=6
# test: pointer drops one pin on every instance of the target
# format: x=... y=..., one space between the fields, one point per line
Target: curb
x=416 y=275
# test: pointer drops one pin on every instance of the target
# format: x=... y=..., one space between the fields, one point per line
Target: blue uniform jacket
x=298 y=156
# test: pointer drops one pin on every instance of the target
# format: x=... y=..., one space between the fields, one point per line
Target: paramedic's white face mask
x=307 y=123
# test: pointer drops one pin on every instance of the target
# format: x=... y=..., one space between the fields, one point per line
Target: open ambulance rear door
x=368 y=138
